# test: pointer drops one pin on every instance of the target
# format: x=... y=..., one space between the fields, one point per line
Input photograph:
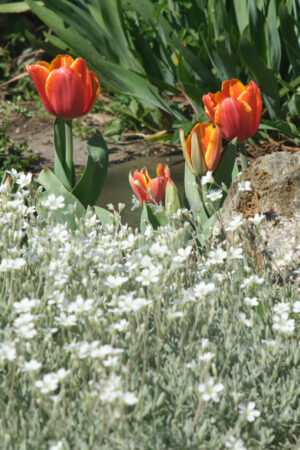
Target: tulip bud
x=202 y=149
x=172 y=201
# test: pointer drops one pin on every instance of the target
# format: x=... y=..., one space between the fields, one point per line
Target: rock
x=275 y=193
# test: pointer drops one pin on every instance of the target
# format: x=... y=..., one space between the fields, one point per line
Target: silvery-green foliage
x=113 y=339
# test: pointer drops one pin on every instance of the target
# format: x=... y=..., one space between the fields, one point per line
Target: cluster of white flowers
x=50 y=381
x=281 y=321
x=103 y=323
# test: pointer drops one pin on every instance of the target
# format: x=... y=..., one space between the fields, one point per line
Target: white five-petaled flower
x=58 y=446
x=202 y=289
x=235 y=444
x=32 y=366
x=283 y=324
x=23 y=179
x=217 y=256
x=280 y=308
x=8 y=264
x=244 y=186
x=53 y=203
x=210 y=390
x=249 y=412
x=236 y=253
x=236 y=223
x=243 y=318
x=251 y=301
x=115 y=281
x=252 y=281
x=257 y=219
x=215 y=195
x=207 y=178
x=296 y=307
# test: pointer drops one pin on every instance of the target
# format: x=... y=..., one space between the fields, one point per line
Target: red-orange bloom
x=67 y=88
x=202 y=149
x=236 y=109
x=148 y=189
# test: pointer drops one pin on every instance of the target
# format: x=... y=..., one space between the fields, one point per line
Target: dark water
x=118 y=190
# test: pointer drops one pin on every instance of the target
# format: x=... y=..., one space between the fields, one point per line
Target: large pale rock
x=275 y=183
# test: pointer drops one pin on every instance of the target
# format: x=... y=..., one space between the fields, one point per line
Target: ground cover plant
x=115 y=339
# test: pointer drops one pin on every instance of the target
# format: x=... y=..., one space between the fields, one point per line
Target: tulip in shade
x=67 y=88
x=236 y=109
x=148 y=189
x=202 y=149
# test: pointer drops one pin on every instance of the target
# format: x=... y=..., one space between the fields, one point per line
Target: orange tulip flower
x=151 y=190
x=67 y=88
x=202 y=149
x=236 y=109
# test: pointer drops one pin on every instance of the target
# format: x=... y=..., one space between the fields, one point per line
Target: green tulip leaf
x=151 y=217
x=192 y=194
x=264 y=76
x=54 y=186
x=227 y=168
x=16 y=7
x=206 y=232
x=105 y=217
x=92 y=181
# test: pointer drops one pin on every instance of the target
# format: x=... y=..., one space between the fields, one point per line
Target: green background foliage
x=154 y=50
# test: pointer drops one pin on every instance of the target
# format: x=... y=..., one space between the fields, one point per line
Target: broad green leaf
x=16 y=7
x=226 y=170
x=284 y=127
x=148 y=218
x=92 y=181
x=53 y=186
x=290 y=39
x=192 y=194
x=241 y=14
x=105 y=217
x=205 y=234
x=256 y=28
x=273 y=38
x=264 y=76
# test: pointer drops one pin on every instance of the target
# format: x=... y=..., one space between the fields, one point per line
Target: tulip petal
x=158 y=187
x=61 y=61
x=145 y=174
x=138 y=189
x=160 y=170
x=185 y=150
x=210 y=106
x=213 y=149
x=95 y=89
x=252 y=97
x=234 y=118
x=39 y=74
x=232 y=88
x=43 y=64
x=65 y=92
x=80 y=67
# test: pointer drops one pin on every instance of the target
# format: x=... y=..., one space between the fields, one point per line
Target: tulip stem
x=69 y=152
x=243 y=155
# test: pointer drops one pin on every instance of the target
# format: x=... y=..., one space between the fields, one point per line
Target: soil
x=38 y=132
